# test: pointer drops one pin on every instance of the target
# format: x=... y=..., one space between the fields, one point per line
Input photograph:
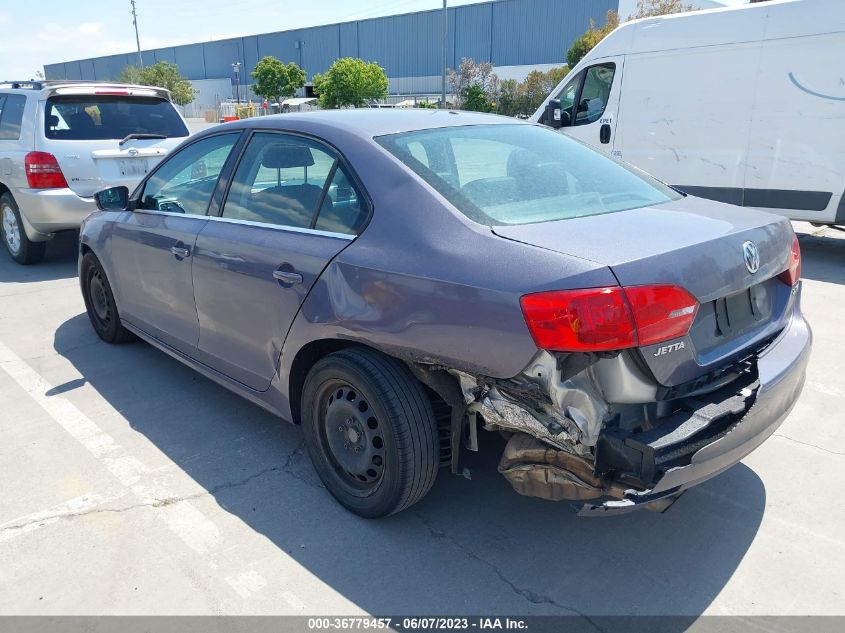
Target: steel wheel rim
x=352 y=437
x=11 y=230
x=98 y=296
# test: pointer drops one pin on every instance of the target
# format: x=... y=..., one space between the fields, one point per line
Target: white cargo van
x=744 y=105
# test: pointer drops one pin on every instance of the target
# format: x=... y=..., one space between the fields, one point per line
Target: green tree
x=274 y=79
x=590 y=38
x=350 y=82
x=475 y=99
x=161 y=75
x=651 y=8
x=509 y=97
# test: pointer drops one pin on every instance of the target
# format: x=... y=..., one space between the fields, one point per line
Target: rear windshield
x=100 y=117
x=522 y=174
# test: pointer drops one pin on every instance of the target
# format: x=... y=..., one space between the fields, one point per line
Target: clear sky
x=38 y=32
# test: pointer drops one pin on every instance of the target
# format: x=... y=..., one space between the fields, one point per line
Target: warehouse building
x=517 y=36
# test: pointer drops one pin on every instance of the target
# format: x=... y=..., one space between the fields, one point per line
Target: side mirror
x=112 y=199
x=555 y=117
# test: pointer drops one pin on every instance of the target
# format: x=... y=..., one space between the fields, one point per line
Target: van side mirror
x=555 y=117
x=112 y=199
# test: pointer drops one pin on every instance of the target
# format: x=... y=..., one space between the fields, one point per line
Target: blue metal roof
x=504 y=32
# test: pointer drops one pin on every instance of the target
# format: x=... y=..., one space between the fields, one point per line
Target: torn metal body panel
x=571 y=441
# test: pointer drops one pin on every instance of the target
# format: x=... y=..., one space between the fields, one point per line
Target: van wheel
x=99 y=302
x=370 y=431
x=18 y=245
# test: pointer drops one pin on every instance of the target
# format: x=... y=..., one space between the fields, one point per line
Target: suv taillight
x=611 y=318
x=43 y=171
x=792 y=274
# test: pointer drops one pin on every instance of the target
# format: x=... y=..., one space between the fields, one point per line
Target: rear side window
x=11 y=115
x=283 y=179
x=102 y=117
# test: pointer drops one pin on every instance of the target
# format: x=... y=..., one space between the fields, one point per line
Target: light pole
x=137 y=39
x=445 y=51
x=237 y=68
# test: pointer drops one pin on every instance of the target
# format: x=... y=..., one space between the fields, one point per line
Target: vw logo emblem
x=133 y=152
x=751 y=256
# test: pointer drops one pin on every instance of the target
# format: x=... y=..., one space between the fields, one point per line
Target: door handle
x=287 y=277
x=180 y=251
x=604 y=133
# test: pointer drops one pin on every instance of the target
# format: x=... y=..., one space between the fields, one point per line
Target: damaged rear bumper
x=781 y=371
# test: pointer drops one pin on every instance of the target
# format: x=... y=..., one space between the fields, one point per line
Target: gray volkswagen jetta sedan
x=395 y=282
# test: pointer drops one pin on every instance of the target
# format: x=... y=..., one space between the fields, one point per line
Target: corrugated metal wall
x=505 y=32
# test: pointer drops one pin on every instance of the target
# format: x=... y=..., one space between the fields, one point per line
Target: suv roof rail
x=26 y=84
x=38 y=84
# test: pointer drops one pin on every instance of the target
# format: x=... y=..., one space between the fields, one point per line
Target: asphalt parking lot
x=131 y=485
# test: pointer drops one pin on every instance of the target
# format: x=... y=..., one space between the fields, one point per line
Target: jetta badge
x=751 y=256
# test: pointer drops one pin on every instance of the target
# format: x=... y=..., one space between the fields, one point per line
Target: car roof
x=372 y=122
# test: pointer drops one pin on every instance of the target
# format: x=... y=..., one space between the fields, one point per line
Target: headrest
x=281 y=156
x=53 y=121
x=523 y=163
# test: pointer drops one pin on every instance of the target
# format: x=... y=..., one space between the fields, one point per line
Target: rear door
x=589 y=103
x=292 y=206
x=153 y=246
x=109 y=139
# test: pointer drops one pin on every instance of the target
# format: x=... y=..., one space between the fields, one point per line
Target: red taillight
x=661 y=312
x=792 y=274
x=43 y=171
x=602 y=319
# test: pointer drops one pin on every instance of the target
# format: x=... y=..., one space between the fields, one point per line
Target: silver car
x=62 y=141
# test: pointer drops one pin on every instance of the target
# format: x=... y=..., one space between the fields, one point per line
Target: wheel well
x=305 y=359
x=4 y=189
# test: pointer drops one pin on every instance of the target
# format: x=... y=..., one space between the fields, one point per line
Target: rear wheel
x=18 y=245
x=99 y=302
x=370 y=431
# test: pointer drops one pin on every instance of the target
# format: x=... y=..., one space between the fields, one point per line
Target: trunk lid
x=696 y=244
x=90 y=166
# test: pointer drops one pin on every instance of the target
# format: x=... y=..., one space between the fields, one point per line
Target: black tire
x=99 y=302
x=370 y=431
x=18 y=245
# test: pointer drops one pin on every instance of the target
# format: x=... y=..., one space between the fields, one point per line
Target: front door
x=290 y=209
x=152 y=246
x=589 y=104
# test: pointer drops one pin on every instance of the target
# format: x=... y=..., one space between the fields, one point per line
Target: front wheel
x=99 y=302
x=18 y=245
x=370 y=431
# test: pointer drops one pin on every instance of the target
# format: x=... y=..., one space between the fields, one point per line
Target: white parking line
x=183 y=518
x=42 y=518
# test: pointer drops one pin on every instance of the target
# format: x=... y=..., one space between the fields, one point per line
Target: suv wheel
x=18 y=245
x=370 y=431
x=99 y=302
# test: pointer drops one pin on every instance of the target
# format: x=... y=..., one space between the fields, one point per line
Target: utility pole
x=445 y=54
x=137 y=39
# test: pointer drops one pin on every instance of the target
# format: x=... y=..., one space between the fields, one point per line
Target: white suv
x=62 y=141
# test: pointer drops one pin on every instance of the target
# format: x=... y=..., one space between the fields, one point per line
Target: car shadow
x=59 y=262
x=471 y=547
x=822 y=258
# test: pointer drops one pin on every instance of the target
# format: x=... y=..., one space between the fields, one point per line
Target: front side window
x=283 y=179
x=185 y=182
x=522 y=174
x=598 y=80
x=11 y=116
x=567 y=98
x=103 y=117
